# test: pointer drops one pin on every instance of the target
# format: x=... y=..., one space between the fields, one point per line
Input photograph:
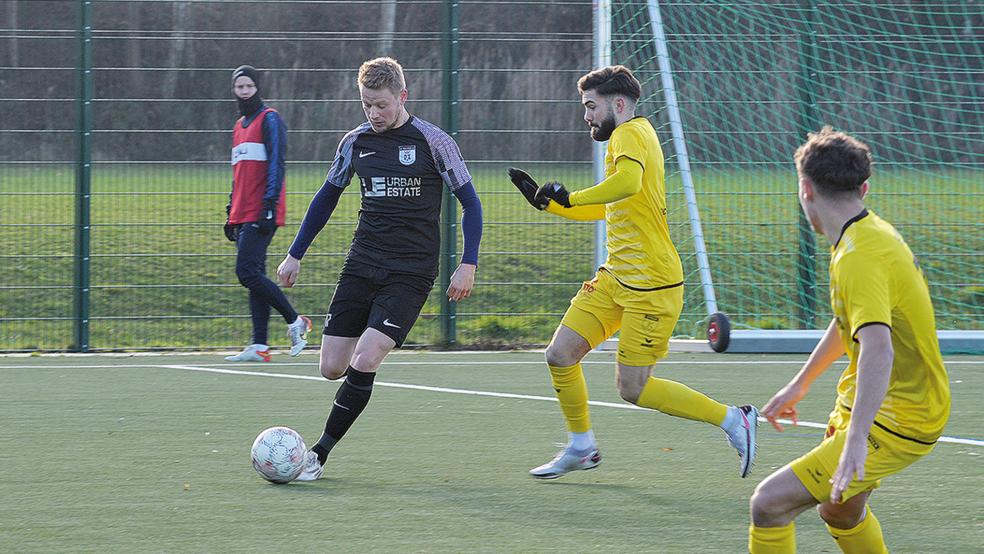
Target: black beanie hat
x=253 y=103
x=247 y=71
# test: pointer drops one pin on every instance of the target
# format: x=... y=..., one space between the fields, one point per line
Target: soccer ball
x=278 y=454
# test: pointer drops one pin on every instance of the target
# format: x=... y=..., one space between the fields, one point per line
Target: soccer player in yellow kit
x=639 y=289
x=892 y=400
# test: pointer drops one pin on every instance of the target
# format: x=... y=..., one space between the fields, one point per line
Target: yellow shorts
x=646 y=318
x=887 y=454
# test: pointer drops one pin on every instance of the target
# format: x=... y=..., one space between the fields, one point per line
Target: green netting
x=753 y=77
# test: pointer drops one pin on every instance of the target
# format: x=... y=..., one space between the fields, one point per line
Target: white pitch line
x=620 y=406
x=955 y=440
x=442 y=363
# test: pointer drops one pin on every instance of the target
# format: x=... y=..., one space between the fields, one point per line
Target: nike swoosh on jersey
x=363 y=154
x=387 y=323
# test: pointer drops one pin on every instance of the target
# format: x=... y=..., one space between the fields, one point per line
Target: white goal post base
x=802 y=342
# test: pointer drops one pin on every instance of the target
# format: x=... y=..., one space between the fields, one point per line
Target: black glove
x=527 y=186
x=556 y=192
x=268 y=219
x=231 y=231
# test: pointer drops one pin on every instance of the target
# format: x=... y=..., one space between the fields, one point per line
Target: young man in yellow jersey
x=639 y=289
x=893 y=399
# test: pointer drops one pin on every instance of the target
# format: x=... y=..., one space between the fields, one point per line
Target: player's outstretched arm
x=623 y=183
x=529 y=189
x=588 y=204
x=321 y=208
x=783 y=403
x=322 y=205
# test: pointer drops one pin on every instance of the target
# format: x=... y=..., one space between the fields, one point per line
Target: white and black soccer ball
x=278 y=454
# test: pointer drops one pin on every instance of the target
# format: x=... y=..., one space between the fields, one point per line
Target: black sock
x=350 y=400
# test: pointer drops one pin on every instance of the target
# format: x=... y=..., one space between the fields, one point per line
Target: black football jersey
x=401 y=174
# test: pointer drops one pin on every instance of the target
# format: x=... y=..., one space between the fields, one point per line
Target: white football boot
x=566 y=461
x=297 y=333
x=741 y=435
x=312 y=467
x=253 y=353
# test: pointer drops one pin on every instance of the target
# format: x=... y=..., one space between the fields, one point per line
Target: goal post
x=719 y=327
x=733 y=87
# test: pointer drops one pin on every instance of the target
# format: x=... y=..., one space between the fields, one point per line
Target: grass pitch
x=151 y=453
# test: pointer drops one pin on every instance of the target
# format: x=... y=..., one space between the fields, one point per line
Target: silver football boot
x=312 y=467
x=566 y=461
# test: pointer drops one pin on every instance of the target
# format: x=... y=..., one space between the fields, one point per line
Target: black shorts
x=367 y=296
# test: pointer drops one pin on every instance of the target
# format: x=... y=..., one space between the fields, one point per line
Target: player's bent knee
x=765 y=509
x=368 y=360
x=560 y=357
x=629 y=392
x=332 y=370
x=247 y=277
x=841 y=516
x=555 y=358
x=332 y=367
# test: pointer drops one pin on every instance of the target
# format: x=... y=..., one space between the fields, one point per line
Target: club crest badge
x=408 y=154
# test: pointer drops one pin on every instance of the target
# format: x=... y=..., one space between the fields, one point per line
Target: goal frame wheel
x=718 y=331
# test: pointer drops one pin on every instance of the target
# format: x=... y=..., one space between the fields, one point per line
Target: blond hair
x=381 y=73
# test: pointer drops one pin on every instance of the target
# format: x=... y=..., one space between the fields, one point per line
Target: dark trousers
x=263 y=293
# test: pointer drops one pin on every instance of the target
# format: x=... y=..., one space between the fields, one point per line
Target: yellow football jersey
x=640 y=252
x=874 y=278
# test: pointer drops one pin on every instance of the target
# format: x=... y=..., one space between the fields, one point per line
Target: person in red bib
x=257 y=206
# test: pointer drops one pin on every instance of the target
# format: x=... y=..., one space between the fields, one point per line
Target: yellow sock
x=680 y=400
x=866 y=537
x=772 y=540
x=572 y=391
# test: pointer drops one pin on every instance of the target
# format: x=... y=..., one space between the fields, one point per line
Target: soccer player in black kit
x=403 y=164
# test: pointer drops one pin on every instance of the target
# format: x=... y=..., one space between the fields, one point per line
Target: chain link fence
x=151 y=82
x=114 y=152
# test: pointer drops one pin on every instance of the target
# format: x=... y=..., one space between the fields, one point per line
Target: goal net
x=751 y=79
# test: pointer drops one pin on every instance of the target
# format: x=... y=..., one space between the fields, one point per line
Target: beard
x=604 y=130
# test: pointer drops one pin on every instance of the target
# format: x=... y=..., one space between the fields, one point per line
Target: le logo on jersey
x=391 y=187
x=408 y=154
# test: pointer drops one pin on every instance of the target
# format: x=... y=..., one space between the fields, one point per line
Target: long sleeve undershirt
x=326 y=200
x=321 y=208
x=471 y=222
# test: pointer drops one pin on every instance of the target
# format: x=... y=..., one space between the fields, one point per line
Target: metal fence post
x=449 y=214
x=809 y=120
x=83 y=176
